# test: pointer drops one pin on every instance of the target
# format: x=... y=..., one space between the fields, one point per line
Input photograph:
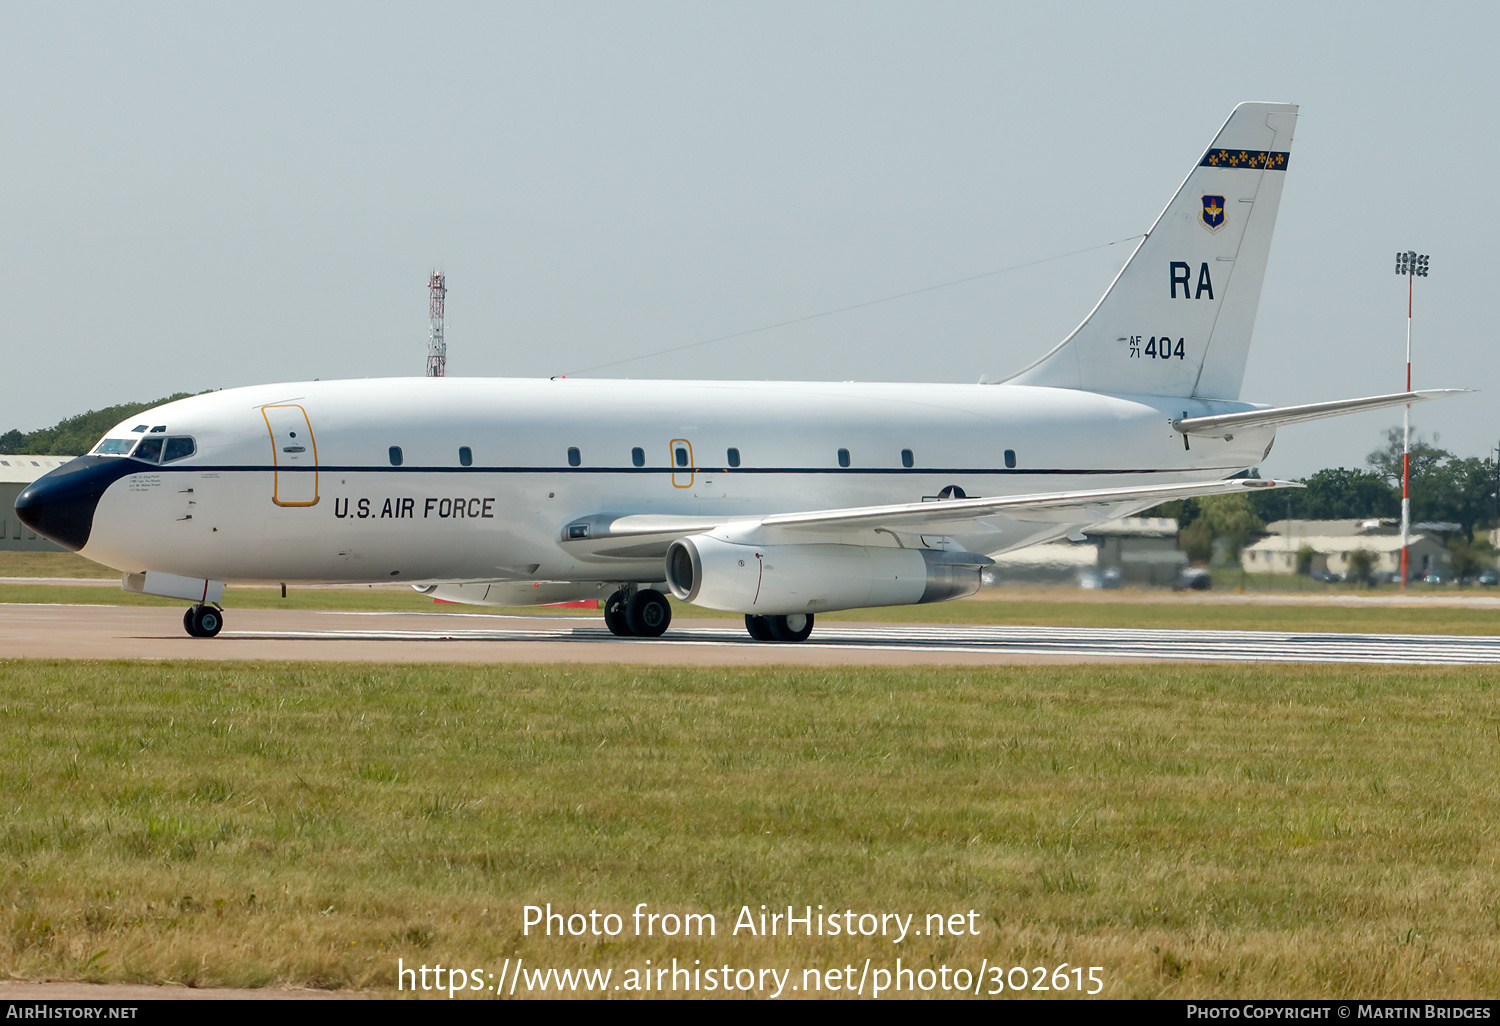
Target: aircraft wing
x=1227 y=423
x=642 y=536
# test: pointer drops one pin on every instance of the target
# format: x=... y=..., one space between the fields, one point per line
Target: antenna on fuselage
x=437 y=349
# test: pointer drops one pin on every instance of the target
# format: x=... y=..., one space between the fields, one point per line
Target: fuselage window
x=843 y=457
x=149 y=450
x=574 y=456
x=160 y=429
x=465 y=456
x=907 y=459
x=638 y=456
x=139 y=428
x=1010 y=459
x=680 y=454
x=734 y=457
x=178 y=449
x=396 y=456
x=114 y=447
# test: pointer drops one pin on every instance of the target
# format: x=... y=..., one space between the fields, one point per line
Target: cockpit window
x=114 y=446
x=149 y=450
x=178 y=448
x=141 y=428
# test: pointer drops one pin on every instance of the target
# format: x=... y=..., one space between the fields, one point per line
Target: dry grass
x=1195 y=831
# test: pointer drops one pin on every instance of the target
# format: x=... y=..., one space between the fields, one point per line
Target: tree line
x=1445 y=488
x=75 y=435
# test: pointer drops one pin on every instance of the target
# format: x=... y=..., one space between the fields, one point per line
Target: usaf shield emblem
x=1213 y=213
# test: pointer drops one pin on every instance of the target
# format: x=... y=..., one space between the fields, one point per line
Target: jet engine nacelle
x=775 y=580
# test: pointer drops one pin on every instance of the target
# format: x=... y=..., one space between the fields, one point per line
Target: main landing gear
x=203 y=621
x=795 y=627
x=637 y=614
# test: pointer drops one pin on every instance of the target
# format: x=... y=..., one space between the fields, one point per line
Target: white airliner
x=778 y=500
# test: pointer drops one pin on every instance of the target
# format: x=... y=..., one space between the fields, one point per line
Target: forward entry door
x=294 y=454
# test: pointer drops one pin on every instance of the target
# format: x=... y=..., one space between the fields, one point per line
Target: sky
x=202 y=196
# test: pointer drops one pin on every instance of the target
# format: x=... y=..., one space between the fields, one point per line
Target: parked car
x=1092 y=580
x=1193 y=578
x=1489 y=578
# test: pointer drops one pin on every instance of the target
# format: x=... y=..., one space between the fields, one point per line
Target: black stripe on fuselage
x=914 y=471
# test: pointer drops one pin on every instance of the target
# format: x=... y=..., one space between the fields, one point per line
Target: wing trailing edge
x=648 y=535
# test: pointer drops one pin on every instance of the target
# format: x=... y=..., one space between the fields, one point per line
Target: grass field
x=1194 y=831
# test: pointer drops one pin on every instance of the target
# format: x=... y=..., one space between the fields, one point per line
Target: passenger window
x=681 y=454
x=396 y=456
x=907 y=459
x=149 y=450
x=843 y=457
x=177 y=449
x=734 y=457
x=1010 y=459
x=574 y=456
x=465 y=456
x=638 y=456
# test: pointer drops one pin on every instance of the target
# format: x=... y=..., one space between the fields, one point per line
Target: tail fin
x=1177 y=319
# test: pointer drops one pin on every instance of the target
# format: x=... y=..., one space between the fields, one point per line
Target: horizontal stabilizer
x=1228 y=423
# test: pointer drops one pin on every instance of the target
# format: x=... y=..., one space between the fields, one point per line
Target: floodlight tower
x=1413 y=266
x=437 y=349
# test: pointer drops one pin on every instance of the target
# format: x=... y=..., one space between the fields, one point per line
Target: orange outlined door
x=683 y=468
x=294 y=454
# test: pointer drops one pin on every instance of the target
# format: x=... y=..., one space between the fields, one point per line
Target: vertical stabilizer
x=1177 y=320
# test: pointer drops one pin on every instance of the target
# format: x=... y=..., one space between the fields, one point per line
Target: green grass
x=1196 y=831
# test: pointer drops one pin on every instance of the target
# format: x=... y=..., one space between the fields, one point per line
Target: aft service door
x=294 y=454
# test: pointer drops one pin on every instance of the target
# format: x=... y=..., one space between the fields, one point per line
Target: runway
x=114 y=632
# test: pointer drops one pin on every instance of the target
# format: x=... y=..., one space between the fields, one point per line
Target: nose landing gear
x=202 y=621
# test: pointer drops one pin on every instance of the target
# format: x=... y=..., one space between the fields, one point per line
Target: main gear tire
x=795 y=627
x=648 y=614
x=614 y=614
x=759 y=629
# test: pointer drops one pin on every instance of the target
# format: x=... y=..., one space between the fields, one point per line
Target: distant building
x=1140 y=551
x=1332 y=543
x=16 y=472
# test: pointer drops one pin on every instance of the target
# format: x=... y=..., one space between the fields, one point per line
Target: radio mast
x=437 y=349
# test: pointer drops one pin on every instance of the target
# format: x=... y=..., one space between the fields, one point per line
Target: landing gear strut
x=644 y=614
x=202 y=621
x=795 y=627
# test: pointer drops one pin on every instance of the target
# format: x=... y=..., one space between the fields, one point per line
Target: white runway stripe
x=1219 y=646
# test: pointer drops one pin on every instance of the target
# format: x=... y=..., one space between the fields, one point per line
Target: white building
x=1334 y=541
x=16 y=472
x=1143 y=550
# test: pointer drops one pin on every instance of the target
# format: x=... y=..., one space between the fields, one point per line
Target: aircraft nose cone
x=60 y=504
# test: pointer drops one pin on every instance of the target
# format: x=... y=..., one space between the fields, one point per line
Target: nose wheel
x=203 y=621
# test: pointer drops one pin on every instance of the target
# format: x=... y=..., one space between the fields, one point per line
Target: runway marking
x=1216 y=646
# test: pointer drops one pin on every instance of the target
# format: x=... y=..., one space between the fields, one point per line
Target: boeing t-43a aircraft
x=778 y=500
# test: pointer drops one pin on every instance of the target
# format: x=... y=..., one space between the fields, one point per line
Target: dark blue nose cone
x=60 y=505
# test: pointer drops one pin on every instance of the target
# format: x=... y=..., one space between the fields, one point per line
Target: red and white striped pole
x=1411 y=265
